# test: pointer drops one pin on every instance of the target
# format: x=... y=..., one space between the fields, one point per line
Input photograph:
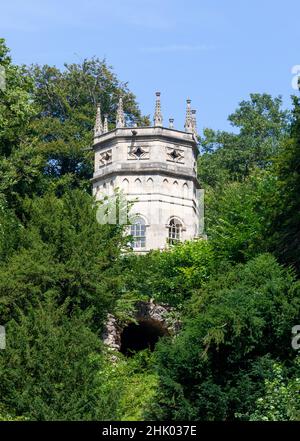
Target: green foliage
x=63 y=250
x=237 y=216
x=61 y=272
x=281 y=398
x=262 y=125
x=16 y=107
x=286 y=207
x=21 y=176
x=125 y=307
x=170 y=276
x=237 y=323
x=20 y=167
x=48 y=370
x=66 y=102
x=5 y=416
x=127 y=386
x=10 y=230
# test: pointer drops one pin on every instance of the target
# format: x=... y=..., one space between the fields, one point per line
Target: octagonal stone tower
x=156 y=168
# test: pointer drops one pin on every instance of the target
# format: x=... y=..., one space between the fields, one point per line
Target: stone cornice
x=155 y=168
x=144 y=134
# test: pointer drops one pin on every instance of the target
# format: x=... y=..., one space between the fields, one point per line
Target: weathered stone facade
x=112 y=333
x=154 y=315
x=156 y=168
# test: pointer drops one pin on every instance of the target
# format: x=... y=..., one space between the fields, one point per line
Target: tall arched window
x=138 y=233
x=175 y=229
x=185 y=189
x=125 y=185
x=150 y=185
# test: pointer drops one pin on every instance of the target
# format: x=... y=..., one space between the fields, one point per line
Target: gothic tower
x=155 y=167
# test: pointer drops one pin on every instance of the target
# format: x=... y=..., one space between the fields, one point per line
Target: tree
x=63 y=249
x=20 y=167
x=171 y=276
x=66 y=102
x=16 y=106
x=281 y=397
x=236 y=326
x=262 y=126
x=49 y=369
x=127 y=387
x=285 y=229
x=238 y=216
x=10 y=230
x=21 y=176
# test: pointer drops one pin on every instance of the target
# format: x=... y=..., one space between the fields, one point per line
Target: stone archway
x=141 y=335
x=151 y=323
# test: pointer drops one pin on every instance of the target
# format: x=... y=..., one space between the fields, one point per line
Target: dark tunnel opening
x=145 y=334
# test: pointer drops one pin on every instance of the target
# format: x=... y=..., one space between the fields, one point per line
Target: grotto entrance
x=145 y=334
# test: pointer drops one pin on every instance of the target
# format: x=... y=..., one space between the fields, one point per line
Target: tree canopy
x=236 y=294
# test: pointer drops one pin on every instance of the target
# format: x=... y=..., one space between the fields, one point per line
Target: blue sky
x=216 y=52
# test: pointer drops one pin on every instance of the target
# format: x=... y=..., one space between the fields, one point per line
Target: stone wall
x=145 y=312
x=155 y=168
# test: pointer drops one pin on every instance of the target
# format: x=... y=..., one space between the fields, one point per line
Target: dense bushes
x=170 y=277
x=238 y=323
x=49 y=368
x=62 y=249
x=61 y=272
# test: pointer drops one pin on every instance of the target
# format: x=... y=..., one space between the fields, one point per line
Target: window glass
x=138 y=233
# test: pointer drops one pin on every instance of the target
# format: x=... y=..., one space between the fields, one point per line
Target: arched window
x=185 y=189
x=125 y=185
x=138 y=233
x=150 y=184
x=175 y=229
x=175 y=188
